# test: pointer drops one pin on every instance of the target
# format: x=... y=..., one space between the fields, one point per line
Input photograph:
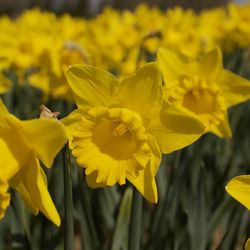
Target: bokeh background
x=92 y=7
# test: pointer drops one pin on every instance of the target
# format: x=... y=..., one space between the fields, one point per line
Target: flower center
x=200 y=97
x=109 y=142
x=120 y=130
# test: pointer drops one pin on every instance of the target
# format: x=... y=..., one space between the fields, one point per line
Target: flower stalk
x=68 y=202
x=135 y=221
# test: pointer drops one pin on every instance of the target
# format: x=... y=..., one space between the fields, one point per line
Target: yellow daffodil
x=4 y=198
x=5 y=83
x=119 y=131
x=22 y=143
x=247 y=246
x=202 y=87
x=239 y=189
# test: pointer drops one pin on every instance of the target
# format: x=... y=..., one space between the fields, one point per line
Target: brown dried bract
x=47 y=113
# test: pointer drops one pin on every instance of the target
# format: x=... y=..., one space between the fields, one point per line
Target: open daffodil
x=120 y=130
x=202 y=87
x=22 y=143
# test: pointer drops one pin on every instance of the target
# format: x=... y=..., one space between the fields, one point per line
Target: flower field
x=128 y=130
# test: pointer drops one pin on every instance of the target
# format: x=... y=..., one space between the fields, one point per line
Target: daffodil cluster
x=22 y=144
x=45 y=45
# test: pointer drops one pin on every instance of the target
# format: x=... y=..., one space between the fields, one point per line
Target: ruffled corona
x=109 y=143
x=4 y=198
x=200 y=97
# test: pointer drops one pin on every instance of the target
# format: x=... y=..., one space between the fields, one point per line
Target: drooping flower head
x=119 y=130
x=202 y=87
x=22 y=143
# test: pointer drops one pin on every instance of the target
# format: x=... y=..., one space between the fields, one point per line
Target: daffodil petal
x=141 y=92
x=17 y=184
x=3 y=109
x=33 y=181
x=91 y=86
x=91 y=181
x=172 y=65
x=71 y=122
x=5 y=83
x=4 y=198
x=14 y=158
x=47 y=136
x=239 y=189
x=211 y=65
x=247 y=246
x=222 y=129
x=145 y=181
x=175 y=129
x=236 y=89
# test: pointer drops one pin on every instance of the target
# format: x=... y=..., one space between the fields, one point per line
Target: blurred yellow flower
x=247 y=246
x=202 y=87
x=22 y=143
x=5 y=83
x=239 y=189
x=4 y=198
x=119 y=132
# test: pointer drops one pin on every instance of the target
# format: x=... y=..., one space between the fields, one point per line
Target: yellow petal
x=3 y=109
x=236 y=89
x=141 y=92
x=71 y=122
x=91 y=86
x=91 y=181
x=17 y=184
x=247 y=246
x=13 y=147
x=145 y=181
x=210 y=65
x=239 y=189
x=47 y=136
x=173 y=65
x=175 y=129
x=222 y=129
x=33 y=180
x=4 y=198
x=5 y=83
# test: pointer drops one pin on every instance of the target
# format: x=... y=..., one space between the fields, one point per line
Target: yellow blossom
x=239 y=189
x=247 y=246
x=202 y=86
x=5 y=83
x=118 y=131
x=22 y=143
x=4 y=198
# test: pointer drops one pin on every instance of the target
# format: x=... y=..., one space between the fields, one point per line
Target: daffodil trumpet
x=202 y=87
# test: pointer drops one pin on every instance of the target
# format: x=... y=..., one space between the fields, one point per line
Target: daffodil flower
x=239 y=189
x=22 y=143
x=202 y=87
x=119 y=130
x=247 y=246
x=4 y=198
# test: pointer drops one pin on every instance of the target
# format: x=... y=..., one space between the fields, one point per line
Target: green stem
x=135 y=221
x=68 y=202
